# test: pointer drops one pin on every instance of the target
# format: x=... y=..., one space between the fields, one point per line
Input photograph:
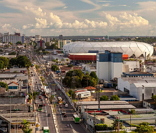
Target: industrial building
x=109 y=65
x=141 y=87
x=132 y=49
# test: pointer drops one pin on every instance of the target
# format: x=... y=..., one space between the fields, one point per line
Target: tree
x=54 y=68
x=4 y=85
x=117 y=124
x=5 y=61
x=12 y=53
x=23 y=61
x=144 y=128
x=114 y=98
x=26 y=126
x=13 y=62
x=104 y=98
x=154 y=97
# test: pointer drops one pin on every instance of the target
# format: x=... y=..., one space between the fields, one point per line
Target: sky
x=79 y=17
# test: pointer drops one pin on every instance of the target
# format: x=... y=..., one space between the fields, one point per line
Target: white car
x=66 y=105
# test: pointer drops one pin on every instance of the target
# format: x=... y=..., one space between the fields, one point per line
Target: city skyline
x=79 y=17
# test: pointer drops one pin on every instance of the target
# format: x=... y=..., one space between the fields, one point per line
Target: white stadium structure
x=136 y=49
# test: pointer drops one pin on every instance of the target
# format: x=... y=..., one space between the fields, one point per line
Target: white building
x=109 y=65
x=129 y=66
x=61 y=43
x=37 y=38
x=11 y=38
x=141 y=88
x=136 y=49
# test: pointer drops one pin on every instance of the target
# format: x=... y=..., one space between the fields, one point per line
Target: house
x=13 y=85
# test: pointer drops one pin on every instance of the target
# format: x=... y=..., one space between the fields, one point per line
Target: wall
x=132 y=65
x=123 y=84
x=116 y=70
x=102 y=70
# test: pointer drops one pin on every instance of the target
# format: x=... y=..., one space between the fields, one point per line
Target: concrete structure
x=41 y=44
x=109 y=65
x=61 y=43
x=141 y=87
x=129 y=66
x=13 y=38
x=136 y=49
x=37 y=38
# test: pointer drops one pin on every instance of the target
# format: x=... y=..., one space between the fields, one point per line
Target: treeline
x=20 y=61
x=77 y=79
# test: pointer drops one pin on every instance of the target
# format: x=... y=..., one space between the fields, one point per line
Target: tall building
x=13 y=38
x=37 y=38
x=109 y=65
x=61 y=43
x=41 y=44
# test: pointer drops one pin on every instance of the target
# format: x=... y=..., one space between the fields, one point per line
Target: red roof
x=90 y=88
x=13 y=83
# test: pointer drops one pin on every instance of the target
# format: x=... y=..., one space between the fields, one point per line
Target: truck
x=84 y=94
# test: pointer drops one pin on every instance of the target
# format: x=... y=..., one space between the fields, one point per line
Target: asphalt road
x=64 y=124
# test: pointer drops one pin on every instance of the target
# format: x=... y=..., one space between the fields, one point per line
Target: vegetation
x=104 y=98
x=154 y=97
x=101 y=127
x=4 y=62
x=144 y=128
x=26 y=126
x=54 y=68
x=3 y=85
x=77 y=79
x=72 y=94
x=114 y=98
x=117 y=124
x=20 y=61
x=12 y=53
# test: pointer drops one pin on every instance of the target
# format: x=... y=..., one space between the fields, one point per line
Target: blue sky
x=79 y=17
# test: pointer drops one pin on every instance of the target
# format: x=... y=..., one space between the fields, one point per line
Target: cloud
x=38 y=11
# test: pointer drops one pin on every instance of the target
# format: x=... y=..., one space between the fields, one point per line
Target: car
x=66 y=105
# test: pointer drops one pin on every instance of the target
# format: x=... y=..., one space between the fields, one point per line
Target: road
x=63 y=124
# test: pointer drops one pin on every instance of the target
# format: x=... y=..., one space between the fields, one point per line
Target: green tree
x=23 y=61
x=114 y=98
x=5 y=61
x=4 y=85
x=104 y=98
x=1 y=64
x=54 y=68
x=12 y=53
x=72 y=94
x=19 y=42
x=154 y=97
x=144 y=128
x=117 y=124
x=13 y=62
x=86 y=81
x=26 y=126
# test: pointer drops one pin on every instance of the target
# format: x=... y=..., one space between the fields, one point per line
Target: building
x=41 y=44
x=37 y=38
x=141 y=87
x=109 y=65
x=129 y=66
x=132 y=49
x=13 y=38
x=61 y=43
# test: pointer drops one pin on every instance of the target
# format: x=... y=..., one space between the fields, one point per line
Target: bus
x=60 y=101
x=46 y=130
x=76 y=118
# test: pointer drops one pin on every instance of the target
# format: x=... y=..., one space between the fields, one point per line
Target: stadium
x=131 y=49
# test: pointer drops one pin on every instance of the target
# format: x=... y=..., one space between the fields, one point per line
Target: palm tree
x=26 y=126
x=117 y=124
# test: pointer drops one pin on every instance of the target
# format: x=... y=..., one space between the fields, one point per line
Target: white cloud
x=38 y=11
